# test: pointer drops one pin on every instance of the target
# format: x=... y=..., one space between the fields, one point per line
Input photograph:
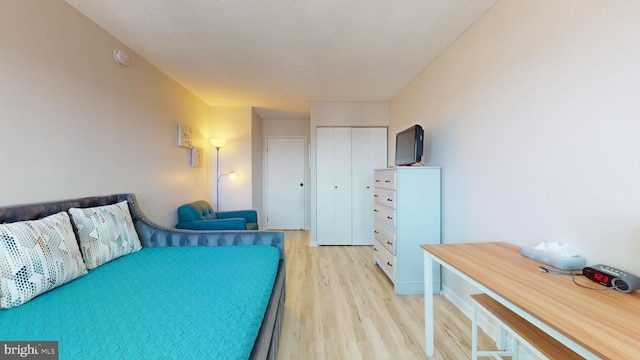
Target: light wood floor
x=340 y=306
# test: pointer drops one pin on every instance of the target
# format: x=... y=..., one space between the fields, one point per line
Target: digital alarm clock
x=612 y=277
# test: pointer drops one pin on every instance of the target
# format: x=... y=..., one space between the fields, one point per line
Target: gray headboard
x=36 y=211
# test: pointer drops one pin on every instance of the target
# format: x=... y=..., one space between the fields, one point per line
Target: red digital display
x=601 y=277
x=598 y=276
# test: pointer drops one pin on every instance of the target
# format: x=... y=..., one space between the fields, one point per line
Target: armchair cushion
x=199 y=215
x=251 y=217
x=218 y=224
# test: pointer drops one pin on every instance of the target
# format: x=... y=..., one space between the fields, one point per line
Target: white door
x=285 y=183
x=369 y=152
x=333 y=193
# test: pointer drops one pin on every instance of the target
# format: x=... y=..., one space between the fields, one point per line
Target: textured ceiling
x=279 y=56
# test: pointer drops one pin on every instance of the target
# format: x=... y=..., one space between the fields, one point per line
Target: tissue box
x=556 y=260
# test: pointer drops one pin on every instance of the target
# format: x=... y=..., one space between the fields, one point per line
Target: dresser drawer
x=385 y=259
x=385 y=237
x=384 y=213
x=385 y=180
x=385 y=196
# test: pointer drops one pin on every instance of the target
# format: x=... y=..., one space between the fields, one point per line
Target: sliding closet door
x=369 y=152
x=333 y=190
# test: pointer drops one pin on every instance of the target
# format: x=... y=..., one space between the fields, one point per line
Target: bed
x=186 y=294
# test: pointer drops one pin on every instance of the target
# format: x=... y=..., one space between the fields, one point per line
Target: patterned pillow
x=37 y=256
x=105 y=233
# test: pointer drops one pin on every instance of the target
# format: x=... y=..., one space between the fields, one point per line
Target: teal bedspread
x=191 y=302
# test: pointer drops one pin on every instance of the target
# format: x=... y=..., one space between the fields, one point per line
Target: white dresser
x=407 y=214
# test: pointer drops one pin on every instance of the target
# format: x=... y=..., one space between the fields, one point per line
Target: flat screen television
x=409 y=146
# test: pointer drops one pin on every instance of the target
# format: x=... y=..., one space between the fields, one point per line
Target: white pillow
x=37 y=256
x=105 y=233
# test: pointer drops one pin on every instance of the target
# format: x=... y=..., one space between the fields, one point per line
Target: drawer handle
x=375 y=195
x=389 y=242
x=387 y=181
x=389 y=199
x=375 y=249
x=375 y=231
x=389 y=217
x=377 y=180
x=375 y=210
x=390 y=264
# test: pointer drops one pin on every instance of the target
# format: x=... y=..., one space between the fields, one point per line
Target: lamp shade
x=218 y=143
x=233 y=176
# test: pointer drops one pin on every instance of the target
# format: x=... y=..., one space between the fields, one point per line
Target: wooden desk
x=594 y=324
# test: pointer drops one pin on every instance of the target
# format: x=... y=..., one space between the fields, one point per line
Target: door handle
x=301 y=184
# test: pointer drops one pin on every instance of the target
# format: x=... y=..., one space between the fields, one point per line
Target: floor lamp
x=217 y=143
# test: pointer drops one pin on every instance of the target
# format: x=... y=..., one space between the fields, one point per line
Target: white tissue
x=556 y=248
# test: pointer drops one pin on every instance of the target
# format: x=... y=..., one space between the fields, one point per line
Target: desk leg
x=428 y=305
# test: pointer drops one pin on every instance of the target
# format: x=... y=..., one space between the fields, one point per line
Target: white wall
x=340 y=114
x=533 y=114
x=257 y=165
x=285 y=127
x=233 y=123
x=74 y=123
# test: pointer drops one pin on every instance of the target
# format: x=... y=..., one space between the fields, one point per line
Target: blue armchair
x=199 y=215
